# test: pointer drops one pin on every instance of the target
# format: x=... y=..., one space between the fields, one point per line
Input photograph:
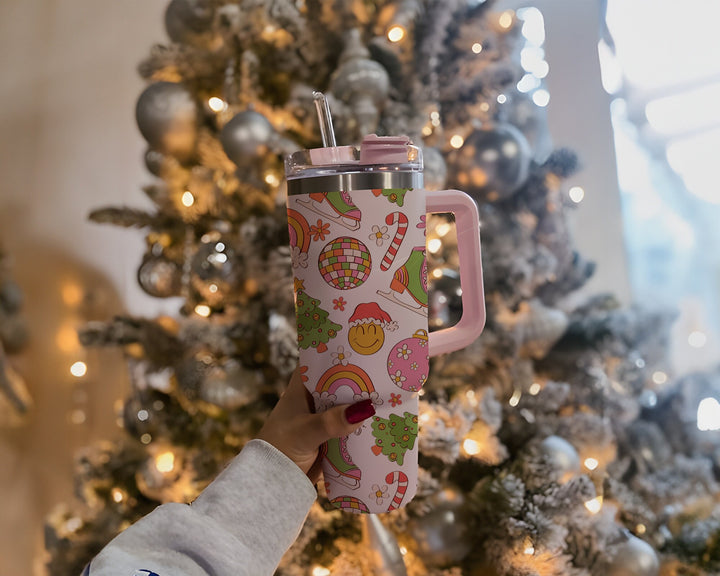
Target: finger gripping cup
x=357 y=236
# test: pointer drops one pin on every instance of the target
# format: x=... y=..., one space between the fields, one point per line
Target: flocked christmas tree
x=15 y=399
x=553 y=445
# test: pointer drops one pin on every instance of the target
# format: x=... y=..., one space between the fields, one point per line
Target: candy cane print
x=402 y=481
x=401 y=220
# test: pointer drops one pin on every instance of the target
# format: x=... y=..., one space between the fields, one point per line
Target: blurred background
x=633 y=89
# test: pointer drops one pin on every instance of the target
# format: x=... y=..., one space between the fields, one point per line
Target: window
x=661 y=63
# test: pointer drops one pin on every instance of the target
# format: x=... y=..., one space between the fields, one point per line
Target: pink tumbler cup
x=356 y=218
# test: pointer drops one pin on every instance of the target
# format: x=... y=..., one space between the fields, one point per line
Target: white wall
x=68 y=144
x=579 y=119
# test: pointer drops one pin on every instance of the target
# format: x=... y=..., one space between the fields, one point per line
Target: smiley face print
x=366 y=338
x=367 y=325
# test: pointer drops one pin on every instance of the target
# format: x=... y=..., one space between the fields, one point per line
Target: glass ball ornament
x=190 y=22
x=215 y=268
x=539 y=327
x=167 y=117
x=159 y=276
x=531 y=120
x=11 y=296
x=154 y=161
x=562 y=457
x=634 y=557
x=14 y=333
x=492 y=163
x=229 y=385
x=444 y=298
x=246 y=137
x=434 y=168
x=443 y=534
x=139 y=417
x=361 y=83
x=163 y=477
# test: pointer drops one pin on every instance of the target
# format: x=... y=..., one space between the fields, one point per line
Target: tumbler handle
x=467 y=220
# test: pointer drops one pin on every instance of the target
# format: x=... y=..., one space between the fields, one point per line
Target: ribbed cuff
x=262 y=497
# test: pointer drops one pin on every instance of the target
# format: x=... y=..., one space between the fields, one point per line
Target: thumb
x=339 y=421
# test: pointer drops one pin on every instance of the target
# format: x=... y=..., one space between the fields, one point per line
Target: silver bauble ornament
x=215 y=268
x=190 y=22
x=165 y=477
x=434 y=169
x=15 y=399
x=283 y=342
x=154 y=483
x=635 y=557
x=539 y=327
x=167 y=117
x=531 y=120
x=14 y=333
x=561 y=456
x=444 y=297
x=443 y=534
x=154 y=161
x=159 y=276
x=11 y=296
x=247 y=137
x=229 y=385
x=387 y=560
x=492 y=163
x=361 y=83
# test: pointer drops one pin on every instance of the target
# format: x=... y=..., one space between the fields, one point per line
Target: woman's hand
x=294 y=429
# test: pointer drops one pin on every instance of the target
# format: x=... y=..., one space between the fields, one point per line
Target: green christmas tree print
x=394 y=195
x=313 y=325
x=395 y=436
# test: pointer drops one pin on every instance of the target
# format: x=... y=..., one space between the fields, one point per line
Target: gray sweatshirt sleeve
x=241 y=524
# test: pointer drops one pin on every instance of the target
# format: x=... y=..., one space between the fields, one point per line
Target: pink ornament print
x=408 y=362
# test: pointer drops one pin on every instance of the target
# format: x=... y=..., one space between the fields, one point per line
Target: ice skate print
x=340 y=466
x=337 y=207
x=408 y=287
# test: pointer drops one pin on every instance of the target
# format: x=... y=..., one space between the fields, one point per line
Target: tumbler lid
x=375 y=154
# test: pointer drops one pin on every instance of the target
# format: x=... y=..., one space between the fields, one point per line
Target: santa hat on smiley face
x=371 y=313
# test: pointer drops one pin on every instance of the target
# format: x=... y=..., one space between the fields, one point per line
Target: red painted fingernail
x=358 y=412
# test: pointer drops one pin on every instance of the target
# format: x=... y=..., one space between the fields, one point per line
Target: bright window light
x=541 y=97
x=533 y=27
x=532 y=59
x=528 y=83
x=708 y=414
x=686 y=111
x=611 y=73
x=665 y=50
x=694 y=160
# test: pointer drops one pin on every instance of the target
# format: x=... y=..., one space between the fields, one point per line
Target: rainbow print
x=299 y=230
x=351 y=376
